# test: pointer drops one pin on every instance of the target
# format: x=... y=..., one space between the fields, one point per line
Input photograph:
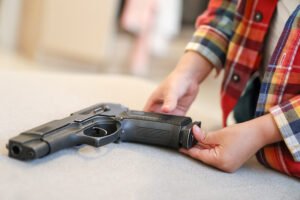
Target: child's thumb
x=200 y=135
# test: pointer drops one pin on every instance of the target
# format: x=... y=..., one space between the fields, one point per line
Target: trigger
x=99 y=132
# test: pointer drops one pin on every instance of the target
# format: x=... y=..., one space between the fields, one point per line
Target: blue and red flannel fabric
x=230 y=34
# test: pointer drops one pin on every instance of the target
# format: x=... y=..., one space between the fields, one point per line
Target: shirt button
x=235 y=78
x=258 y=16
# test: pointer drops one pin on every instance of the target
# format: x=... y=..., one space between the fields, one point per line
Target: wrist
x=265 y=129
x=192 y=65
x=270 y=129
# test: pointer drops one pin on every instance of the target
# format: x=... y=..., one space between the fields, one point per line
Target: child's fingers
x=148 y=105
x=170 y=103
x=207 y=156
x=199 y=134
x=153 y=104
x=203 y=137
x=205 y=150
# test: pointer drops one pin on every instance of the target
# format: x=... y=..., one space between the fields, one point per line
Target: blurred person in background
x=154 y=23
x=231 y=35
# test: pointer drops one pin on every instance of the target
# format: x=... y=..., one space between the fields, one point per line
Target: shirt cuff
x=287 y=118
x=210 y=43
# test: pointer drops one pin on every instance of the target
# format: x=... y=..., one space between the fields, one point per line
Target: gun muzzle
x=27 y=147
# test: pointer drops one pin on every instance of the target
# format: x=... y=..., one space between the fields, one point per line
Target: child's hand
x=177 y=92
x=226 y=149
x=174 y=95
x=229 y=148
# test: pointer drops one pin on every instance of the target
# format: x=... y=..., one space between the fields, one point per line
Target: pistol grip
x=157 y=129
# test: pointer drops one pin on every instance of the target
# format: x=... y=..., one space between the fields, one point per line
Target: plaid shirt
x=230 y=34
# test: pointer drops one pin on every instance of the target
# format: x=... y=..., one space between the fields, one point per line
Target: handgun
x=102 y=124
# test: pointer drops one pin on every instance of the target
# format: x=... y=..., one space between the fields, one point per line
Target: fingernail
x=201 y=132
x=165 y=108
x=197 y=128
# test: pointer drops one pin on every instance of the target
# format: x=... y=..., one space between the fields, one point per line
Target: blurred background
x=141 y=38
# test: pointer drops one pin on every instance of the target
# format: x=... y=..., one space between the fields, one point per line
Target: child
x=230 y=35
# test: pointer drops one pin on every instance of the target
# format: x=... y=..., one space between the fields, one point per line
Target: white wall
x=9 y=23
x=78 y=29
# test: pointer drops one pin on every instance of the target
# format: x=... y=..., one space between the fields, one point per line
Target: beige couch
x=115 y=171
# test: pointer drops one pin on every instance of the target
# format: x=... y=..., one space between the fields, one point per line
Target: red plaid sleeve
x=287 y=117
x=214 y=30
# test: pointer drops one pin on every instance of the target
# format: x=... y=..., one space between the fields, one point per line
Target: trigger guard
x=85 y=137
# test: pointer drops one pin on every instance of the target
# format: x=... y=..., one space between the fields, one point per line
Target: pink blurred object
x=154 y=23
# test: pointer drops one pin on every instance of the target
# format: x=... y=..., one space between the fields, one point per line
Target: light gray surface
x=115 y=171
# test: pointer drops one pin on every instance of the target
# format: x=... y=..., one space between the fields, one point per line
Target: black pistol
x=102 y=124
